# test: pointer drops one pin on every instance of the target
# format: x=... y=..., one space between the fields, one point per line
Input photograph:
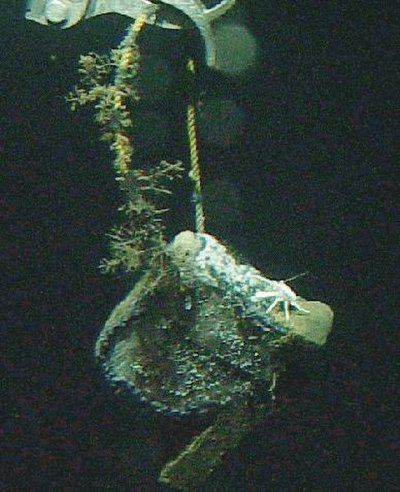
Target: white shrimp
x=282 y=294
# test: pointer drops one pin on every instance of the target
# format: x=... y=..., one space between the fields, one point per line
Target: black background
x=316 y=166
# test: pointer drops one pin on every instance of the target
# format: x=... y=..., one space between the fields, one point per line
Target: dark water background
x=317 y=172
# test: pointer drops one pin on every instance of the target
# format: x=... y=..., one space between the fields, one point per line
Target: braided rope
x=194 y=173
x=128 y=58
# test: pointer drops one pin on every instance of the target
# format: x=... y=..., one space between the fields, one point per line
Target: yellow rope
x=194 y=173
x=128 y=59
